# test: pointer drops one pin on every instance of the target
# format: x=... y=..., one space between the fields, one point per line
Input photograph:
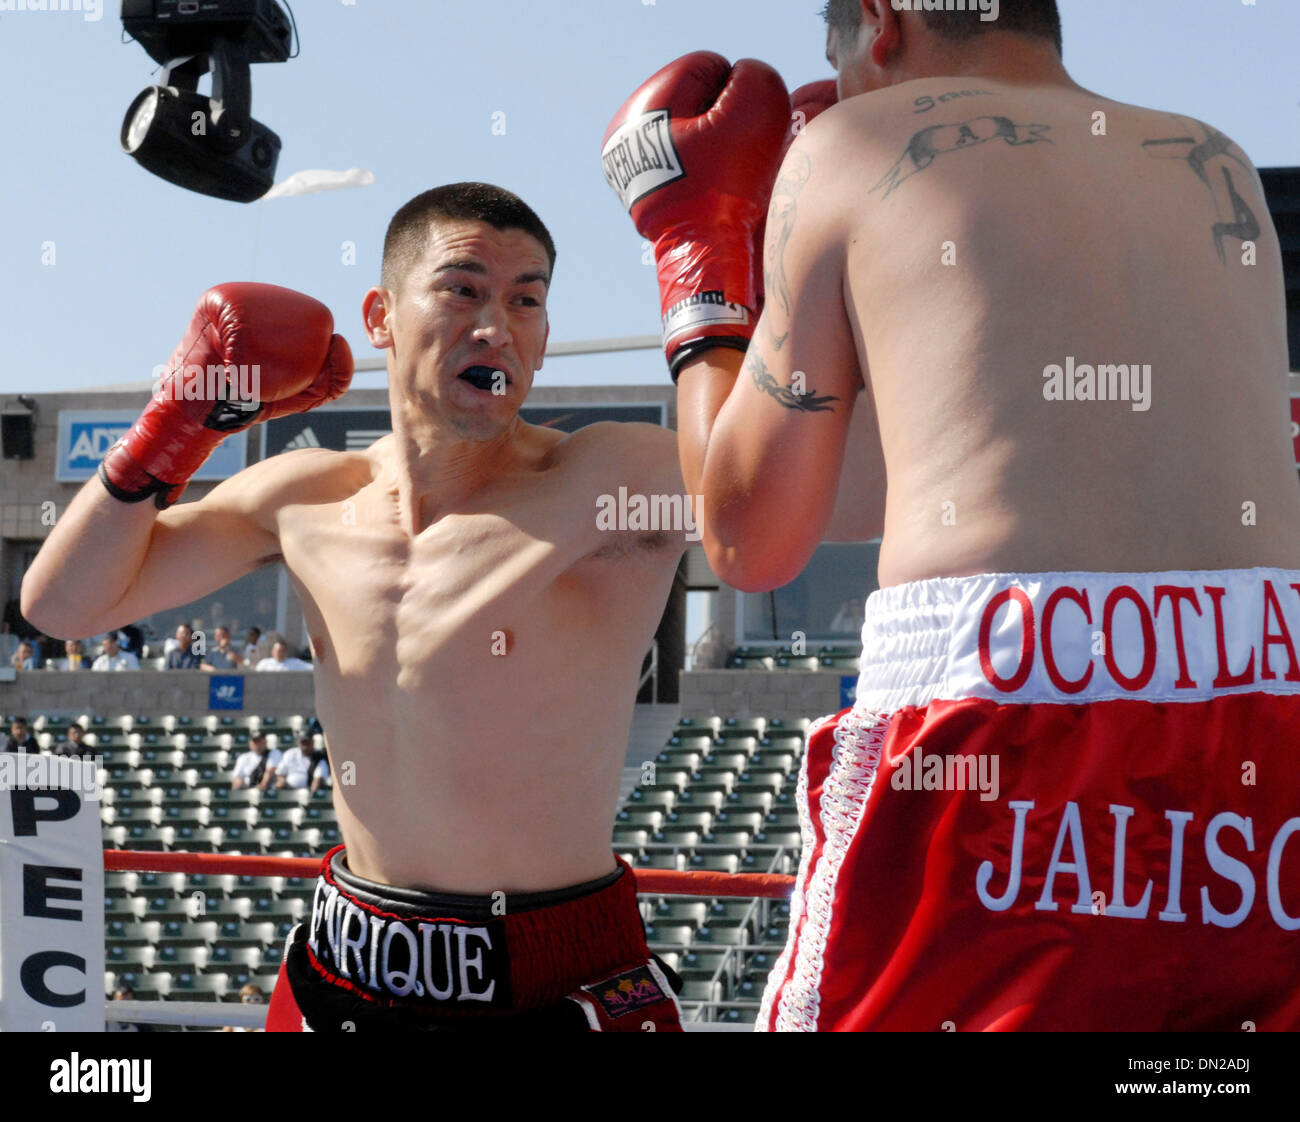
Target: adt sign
x=89 y=442
x=86 y=435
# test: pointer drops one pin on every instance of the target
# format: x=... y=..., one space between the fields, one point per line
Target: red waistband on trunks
x=501 y=954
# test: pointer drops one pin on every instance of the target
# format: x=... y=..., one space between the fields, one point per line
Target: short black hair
x=19 y=721
x=1039 y=18
x=408 y=232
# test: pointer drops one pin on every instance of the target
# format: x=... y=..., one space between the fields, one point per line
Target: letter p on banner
x=52 y=901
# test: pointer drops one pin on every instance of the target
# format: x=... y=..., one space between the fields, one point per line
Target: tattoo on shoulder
x=1200 y=146
x=791 y=397
x=938 y=140
x=781 y=215
x=926 y=102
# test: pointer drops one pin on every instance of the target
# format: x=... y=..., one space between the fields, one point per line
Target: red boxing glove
x=252 y=352
x=810 y=100
x=805 y=103
x=693 y=155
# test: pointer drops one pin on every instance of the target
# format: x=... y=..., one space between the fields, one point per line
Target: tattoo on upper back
x=1199 y=154
x=938 y=140
x=925 y=102
x=780 y=224
x=791 y=398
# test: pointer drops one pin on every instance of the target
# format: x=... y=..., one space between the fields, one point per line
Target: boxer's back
x=997 y=232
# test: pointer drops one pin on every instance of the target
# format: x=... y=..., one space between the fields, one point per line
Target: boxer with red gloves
x=472 y=637
x=700 y=202
x=287 y=337
x=1013 y=299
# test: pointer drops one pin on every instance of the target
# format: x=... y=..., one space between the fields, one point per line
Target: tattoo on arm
x=938 y=140
x=806 y=402
x=780 y=224
x=1198 y=154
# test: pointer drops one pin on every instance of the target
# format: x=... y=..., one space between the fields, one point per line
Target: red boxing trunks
x=1065 y=801
x=375 y=957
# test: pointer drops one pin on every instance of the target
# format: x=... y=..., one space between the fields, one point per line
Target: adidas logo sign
x=305 y=439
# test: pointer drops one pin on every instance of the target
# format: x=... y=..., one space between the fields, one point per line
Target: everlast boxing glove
x=252 y=352
x=693 y=155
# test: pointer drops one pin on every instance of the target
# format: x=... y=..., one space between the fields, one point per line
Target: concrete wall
x=152 y=693
x=787 y=694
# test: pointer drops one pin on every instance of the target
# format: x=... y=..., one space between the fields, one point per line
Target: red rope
x=667 y=882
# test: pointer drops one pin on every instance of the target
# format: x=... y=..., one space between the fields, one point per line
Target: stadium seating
x=719 y=797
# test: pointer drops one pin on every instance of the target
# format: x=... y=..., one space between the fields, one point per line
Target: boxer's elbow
x=36 y=607
x=51 y=610
x=755 y=562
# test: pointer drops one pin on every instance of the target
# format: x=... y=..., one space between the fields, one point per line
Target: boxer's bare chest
x=374 y=594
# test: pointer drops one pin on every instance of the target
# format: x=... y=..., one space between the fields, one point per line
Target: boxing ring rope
x=651 y=882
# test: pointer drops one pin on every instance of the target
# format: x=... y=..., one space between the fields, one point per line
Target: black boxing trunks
x=378 y=957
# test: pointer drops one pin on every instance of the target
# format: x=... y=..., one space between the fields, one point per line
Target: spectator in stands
x=74 y=656
x=223 y=655
x=256 y=767
x=850 y=618
x=182 y=656
x=252 y=651
x=131 y=639
x=250 y=994
x=280 y=659
x=25 y=657
x=113 y=657
x=303 y=765
x=75 y=742
x=125 y=993
x=19 y=737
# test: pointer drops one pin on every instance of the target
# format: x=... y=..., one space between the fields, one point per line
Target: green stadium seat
x=730 y=932
x=693 y=912
x=689 y=758
x=669 y=934
x=750 y=800
x=689 y=817
x=730 y=815
x=640 y=816
x=186 y=985
x=791 y=839
x=144 y=837
x=658 y=860
x=716 y=862
x=700 y=990
x=173 y=955
x=648 y=796
x=701 y=962
x=729 y=833
x=705 y=794
x=715 y=778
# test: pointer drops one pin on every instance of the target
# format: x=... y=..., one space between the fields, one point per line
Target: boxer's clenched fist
x=252 y=352
x=693 y=155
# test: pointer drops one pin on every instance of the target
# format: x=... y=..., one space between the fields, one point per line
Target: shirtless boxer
x=477 y=637
x=962 y=241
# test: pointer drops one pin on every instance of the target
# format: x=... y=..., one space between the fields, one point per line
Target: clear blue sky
x=408 y=89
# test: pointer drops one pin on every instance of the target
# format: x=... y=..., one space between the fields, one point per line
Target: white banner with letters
x=51 y=895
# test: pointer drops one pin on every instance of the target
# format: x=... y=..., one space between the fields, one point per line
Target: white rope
x=198 y=1014
x=558 y=350
x=188 y=1013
